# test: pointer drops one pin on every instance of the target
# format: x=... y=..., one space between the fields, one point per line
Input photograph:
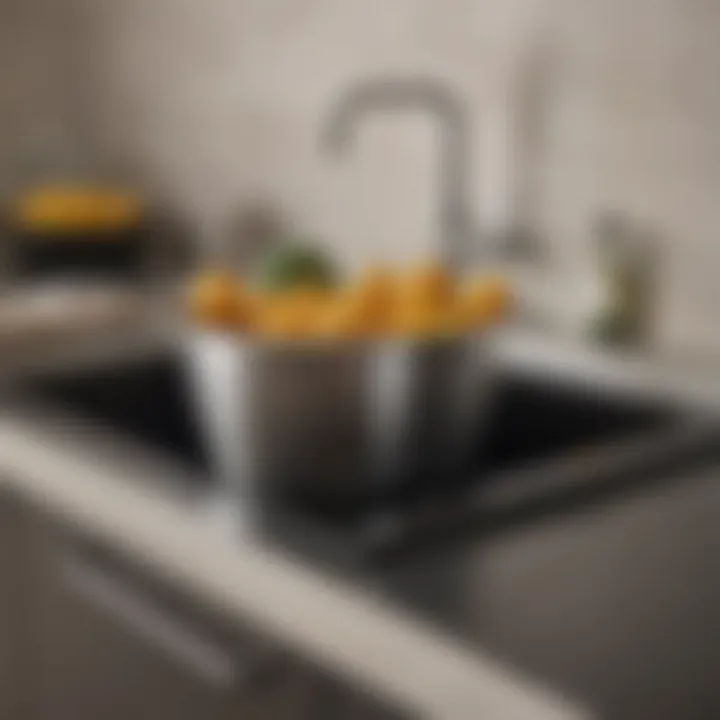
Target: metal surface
x=613 y=603
x=333 y=422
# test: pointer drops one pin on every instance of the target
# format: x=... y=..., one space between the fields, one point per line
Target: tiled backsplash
x=214 y=100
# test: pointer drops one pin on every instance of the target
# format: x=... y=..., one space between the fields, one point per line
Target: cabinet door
x=101 y=639
x=12 y=623
x=112 y=643
x=333 y=700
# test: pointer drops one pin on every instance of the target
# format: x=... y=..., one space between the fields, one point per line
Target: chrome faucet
x=457 y=229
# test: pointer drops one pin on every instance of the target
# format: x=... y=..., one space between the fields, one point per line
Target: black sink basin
x=541 y=440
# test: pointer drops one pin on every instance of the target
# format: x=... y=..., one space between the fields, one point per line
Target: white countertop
x=340 y=627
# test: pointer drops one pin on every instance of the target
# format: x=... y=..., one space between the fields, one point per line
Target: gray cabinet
x=86 y=634
x=109 y=641
x=11 y=611
x=6 y=640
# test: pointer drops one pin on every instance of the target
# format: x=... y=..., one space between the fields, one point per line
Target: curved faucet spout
x=436 y=97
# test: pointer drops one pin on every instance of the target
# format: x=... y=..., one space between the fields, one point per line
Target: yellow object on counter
x=423 y=303
x=218 y=300
x=345 y=317
x=289 y=314
x=427 y=286
x=365 y=308
x=76 y=208
x=485 y=300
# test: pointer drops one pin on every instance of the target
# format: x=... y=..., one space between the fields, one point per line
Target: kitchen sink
x=545 y=443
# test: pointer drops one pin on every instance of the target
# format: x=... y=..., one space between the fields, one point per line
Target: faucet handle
x=521 y=243
x=515 y=243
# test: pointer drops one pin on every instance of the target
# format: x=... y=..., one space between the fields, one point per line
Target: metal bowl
x=336 y=421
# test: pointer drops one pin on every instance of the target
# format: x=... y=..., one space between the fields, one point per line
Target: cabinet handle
x=202 y=657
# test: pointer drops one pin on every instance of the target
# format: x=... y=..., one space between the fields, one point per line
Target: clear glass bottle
x=628 y=264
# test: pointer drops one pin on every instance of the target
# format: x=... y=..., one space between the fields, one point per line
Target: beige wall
x=44 y=98
x=215 y=99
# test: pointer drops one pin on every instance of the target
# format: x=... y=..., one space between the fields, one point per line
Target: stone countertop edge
x=333 y=624
x=641 y=374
